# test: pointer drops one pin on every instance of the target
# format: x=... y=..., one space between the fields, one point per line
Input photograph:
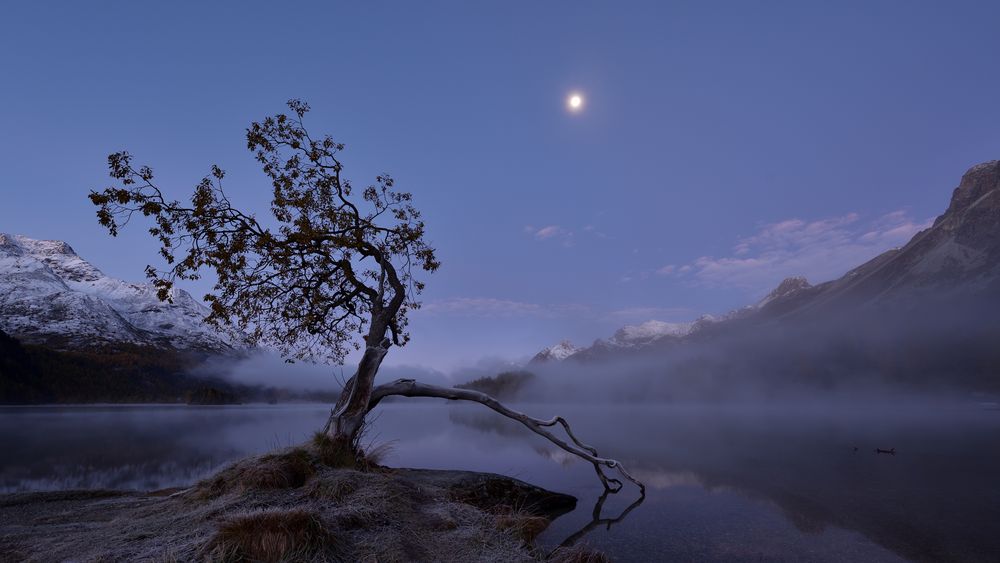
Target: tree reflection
x=596 y=520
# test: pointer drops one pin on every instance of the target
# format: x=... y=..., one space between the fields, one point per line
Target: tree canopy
x=332 y=267
x=329 y=266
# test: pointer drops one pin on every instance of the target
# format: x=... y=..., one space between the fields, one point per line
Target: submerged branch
x=411 y=388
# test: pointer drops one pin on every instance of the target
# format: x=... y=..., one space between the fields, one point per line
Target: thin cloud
x=642 y=314
x=551 y=233
x=819 y=250
x=592 y=230
x=564 y=235
x=503 y=308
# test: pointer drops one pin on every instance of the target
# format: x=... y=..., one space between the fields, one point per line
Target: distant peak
x=983 y=167
x=793 y=283
x=649 y=330
x=565 y=347
x=46 y=247
x=977 y=182
x=37 y=247
x=558 y=352
x=787 y=287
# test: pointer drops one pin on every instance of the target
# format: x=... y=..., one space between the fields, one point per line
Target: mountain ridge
x=958 y=256
x=49 y=295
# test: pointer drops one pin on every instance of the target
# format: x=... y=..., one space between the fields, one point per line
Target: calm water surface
x=725 y=483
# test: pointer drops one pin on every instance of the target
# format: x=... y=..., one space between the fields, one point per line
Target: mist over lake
x=725 y=482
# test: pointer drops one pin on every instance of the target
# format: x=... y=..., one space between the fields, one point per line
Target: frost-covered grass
x=306 y=503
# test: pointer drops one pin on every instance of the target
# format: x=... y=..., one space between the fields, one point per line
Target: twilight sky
x=722 y=146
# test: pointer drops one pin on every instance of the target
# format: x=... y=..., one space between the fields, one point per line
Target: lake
x=725 y=483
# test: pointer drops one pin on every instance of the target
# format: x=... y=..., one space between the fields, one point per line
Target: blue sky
x=722 y=146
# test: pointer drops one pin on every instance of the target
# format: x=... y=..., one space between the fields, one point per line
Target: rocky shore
x=308 y=503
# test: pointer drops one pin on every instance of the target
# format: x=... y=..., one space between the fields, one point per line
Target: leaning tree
x=332 y=270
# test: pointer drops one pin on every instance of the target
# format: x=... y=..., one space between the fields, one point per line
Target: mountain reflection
x=723 y=483
x=935 y=500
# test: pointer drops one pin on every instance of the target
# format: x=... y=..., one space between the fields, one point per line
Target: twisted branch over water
x=411 y=388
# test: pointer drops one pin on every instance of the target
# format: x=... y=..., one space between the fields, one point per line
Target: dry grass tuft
x=335 y=488
x=358 y=517
x=521 y=521
x=578 y=554
x=285 y=470
x=524 y=526
x=374 y=456
x=342 y=454
x=376 y=500
x=337 y=453
x=271 y=536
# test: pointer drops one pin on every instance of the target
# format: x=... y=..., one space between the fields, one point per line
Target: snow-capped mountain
x=957 y=258
x=629 y=336
x=50 y=295
x=555 y=353
x=641 y=334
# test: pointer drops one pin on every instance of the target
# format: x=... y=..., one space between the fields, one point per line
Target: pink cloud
x=819 y=250
x=667 y=270
x=548 y=232
x=551 y=232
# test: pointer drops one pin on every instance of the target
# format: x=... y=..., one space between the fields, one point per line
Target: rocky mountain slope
x=957 y=257
x=951 y=268
x=50 y=295
x=625 y=338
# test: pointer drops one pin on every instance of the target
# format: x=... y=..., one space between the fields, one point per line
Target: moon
x=575 y=102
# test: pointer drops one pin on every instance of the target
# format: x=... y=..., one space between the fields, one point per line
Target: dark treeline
x=32 y=374
x=506 y=385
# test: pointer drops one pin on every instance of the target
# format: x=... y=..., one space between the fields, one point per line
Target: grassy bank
x=314 y=502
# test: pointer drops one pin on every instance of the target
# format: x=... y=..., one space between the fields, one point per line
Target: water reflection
x=936 y=499
x=141 y=447
x=598 y=520
x=724 y=484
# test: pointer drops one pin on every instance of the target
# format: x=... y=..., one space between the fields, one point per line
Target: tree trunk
x=348 y=416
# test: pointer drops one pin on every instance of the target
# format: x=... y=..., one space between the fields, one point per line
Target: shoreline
x=299 y=503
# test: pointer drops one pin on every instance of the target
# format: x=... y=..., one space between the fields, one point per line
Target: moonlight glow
x=575 y=102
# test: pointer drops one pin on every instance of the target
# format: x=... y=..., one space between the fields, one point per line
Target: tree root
x=411 y=388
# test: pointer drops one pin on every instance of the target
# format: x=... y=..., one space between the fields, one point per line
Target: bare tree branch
x=412 y=388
